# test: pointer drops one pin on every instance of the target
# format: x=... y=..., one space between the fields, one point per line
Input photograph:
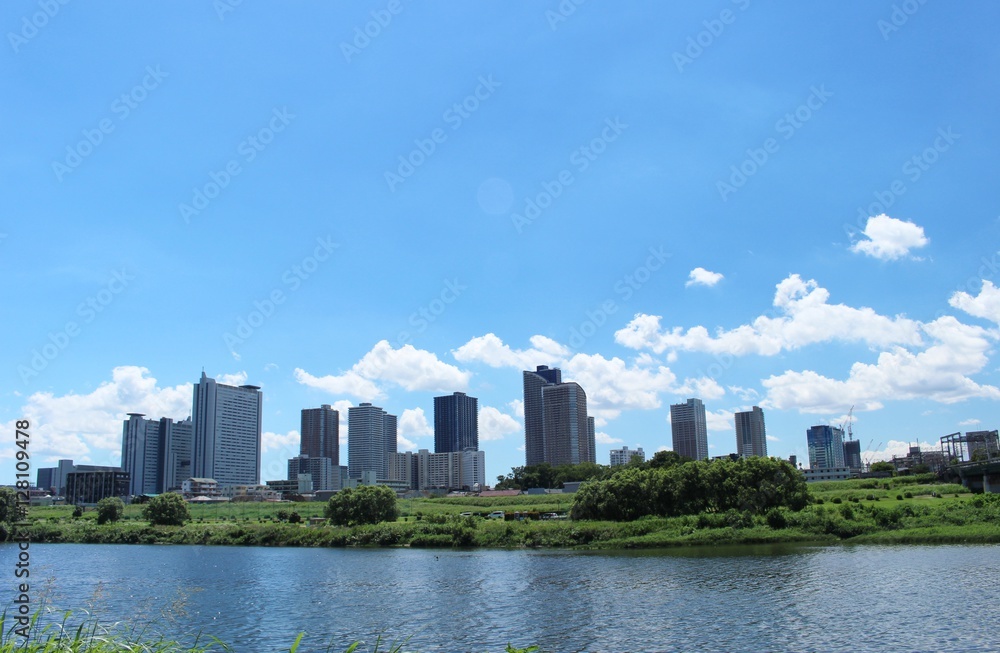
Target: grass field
x=884 y=511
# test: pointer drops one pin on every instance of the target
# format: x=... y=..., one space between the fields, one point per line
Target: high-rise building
x=371 y=437
x=226 y=432
x=751 y=437
x=141 y=454
x=456 y=423
x=320 y=469
x=565 y=425
x=852 y=454
x=826 y=446
x=689 y=429
x=625 y=455
x=534 y=434
x=46 y=478
x=321 y=433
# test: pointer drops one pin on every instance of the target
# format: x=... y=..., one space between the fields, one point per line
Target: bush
x=77 y=511
x=294 y=518
x=908 y=495
x=166 y=510
x=110 y=509
x=367 y=504
x=837 y=500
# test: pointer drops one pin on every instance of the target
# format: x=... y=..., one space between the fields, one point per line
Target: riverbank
x=845 y=512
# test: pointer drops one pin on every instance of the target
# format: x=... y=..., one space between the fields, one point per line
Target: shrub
x=110 y=509
x=166 y=510
x=899 y=497
x=77 y=511
x=837 y=500
x=367 y=504
x=294 y=518
x=908 y=495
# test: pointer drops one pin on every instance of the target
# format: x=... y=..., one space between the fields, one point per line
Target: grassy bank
x=856 y=511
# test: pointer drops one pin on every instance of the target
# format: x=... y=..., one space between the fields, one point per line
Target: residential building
x=827 y=474
x=451 y=470
x=625 y=455
x=456 y=423
x=226 y=432
x=321 y=433
x=156 y=453
x=565 y=425
x=319 y=469
x=751 y=437
x=91 y=483
x=201 y=487
x=557 y=429
x=534 y=435
x=371 y=437
x=826 y=446
x=689 y=429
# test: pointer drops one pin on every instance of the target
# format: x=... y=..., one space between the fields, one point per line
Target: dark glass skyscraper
x=751 y=437
x=826 y=446
x=557 y=429
x=456 y=423
x=321 y=433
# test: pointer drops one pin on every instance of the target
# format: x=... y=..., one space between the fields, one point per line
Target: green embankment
x=883 y=511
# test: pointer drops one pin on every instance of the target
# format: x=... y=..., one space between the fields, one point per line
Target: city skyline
x=803 y=223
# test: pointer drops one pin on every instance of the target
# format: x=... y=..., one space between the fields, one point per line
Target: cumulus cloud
x=410 y=368
x=889 y=239
x=969 y=422
x=494 y=425
x=413 y=423
x=802 y=316
x=720 y=420
x=238 y=379
x=492 y=351
x=940 y=372
x=703 y=277
x=985 y=305
x=286 y=442
x=87 y=427
x=600 y=437
x=896 y=448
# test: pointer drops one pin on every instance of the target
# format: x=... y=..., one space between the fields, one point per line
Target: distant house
x=201 y=487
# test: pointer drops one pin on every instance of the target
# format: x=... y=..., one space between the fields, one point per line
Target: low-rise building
x=827 y=474
x=200 y=487
x=91 y=483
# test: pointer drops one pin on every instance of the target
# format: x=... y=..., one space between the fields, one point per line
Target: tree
x=366 y=504
x=110 y=509
x=8 y=512
x=166 y=510
x=882 y=466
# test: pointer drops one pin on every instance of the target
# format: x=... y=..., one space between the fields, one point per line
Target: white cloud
x=517 y=407
x=492 y=351
x=88 y=427
x=703 y=388
x=287 y=442
x=745 y=394
x=494 y=425
x=771 y=438
x=703 y=277
x=890 y=239
x=410 y=368
x=238 y=379
x=939 y=372
x=720 y=420
x=612 y=386
x=414 y=423
x=803 y=317
x=404 y=444
x=985 y=305
x=600 y=437
x=896 y=448
x=970 y=422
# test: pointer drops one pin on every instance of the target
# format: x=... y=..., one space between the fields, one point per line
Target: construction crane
x=850 y=423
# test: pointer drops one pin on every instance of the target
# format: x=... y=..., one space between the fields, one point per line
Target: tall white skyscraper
x=226 y=423
x=689 y=429
x=371 y=437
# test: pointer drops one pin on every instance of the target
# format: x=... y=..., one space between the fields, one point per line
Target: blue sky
x=794 y=206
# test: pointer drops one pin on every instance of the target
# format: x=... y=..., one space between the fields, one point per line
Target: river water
x=842 y=598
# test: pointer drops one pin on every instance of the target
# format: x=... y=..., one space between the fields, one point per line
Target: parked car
x=496 y=514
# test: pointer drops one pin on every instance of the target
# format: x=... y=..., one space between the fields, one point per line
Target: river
x=840 y=598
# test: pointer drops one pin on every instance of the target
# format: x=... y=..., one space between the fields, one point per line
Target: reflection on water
x=768 y=598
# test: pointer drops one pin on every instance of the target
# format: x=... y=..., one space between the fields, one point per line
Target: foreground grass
x=901 y=513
